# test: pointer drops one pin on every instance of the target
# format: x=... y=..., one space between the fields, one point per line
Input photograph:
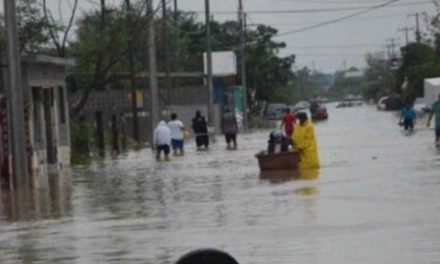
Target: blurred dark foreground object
x=207 y=256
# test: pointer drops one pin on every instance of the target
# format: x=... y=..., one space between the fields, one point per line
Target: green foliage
x=98 y=43
x=33 y=30
x=346 y=85
x=322 y=79
x=419 y=63
x=81 y=138
x=304 y=86
x=267 y=72
x=378 y=79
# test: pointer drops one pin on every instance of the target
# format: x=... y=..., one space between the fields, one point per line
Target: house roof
x=43 y=59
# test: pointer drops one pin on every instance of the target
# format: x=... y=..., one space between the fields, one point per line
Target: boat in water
x=284 y=161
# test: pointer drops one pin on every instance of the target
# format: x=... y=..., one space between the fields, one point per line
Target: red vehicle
x=320 y=113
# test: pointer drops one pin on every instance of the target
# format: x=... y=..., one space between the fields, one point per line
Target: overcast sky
x=325 y=48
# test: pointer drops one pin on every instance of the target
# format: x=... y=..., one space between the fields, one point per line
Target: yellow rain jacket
x=305 y=141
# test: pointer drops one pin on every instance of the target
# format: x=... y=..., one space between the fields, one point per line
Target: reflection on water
x=285 y=176
x=306 y=191
x=376 y=199
x=24 y=204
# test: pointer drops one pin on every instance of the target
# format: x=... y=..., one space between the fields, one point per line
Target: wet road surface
x=375 y=200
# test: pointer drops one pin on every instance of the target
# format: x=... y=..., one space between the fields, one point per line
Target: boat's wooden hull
x=286 y=161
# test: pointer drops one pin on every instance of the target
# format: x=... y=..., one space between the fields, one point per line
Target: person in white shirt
x=177 y=136
x=162 y=140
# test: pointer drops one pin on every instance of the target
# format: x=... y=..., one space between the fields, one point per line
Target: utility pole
x=175 y=48
x=242 y=18
x=392 y=45
x=418 y=32
x=134 y=106
x=209 y=77
x=175 y=12
x=167 y=52
x=103 y=11
x=406 y=30
x=15 y=97
x=154 y=112
x=389 y=51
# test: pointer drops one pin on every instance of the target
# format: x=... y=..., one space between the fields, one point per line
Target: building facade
x=46 y=118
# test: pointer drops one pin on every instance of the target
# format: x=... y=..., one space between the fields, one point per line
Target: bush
x=80 y=138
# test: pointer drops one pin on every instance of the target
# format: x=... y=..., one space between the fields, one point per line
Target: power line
x=316 y=10
x=418 y=32
x=406 y=30
x=330 y=2
x=329 y=55
x=333 y=46
x=401 y=14
x=333 y=21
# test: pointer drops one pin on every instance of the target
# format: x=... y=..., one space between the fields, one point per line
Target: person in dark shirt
x=230 y=127
x=277 y=143
x=200 y=128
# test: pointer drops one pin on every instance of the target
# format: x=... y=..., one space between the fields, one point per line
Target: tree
x=267 y=71
x=102 y=45
x=344 y=85
x=34 y=33
x=418 y=63
x=378 y=77
x=54 y=28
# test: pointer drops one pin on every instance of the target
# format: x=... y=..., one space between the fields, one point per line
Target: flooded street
x=375 y=200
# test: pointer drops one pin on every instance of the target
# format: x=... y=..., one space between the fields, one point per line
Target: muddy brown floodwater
x=375 y=200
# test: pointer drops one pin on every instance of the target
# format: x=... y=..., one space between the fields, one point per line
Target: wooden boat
x=285 y=161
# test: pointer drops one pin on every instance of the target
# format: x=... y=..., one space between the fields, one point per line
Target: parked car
x=320 y=113
x=394 y=103
x=303 y=105
x=274 y=111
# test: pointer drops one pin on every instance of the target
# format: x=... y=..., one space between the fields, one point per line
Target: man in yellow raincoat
x=304 y=140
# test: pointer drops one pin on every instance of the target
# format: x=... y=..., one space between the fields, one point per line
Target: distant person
x=200 y=128
x=305 y=142
x=288 y=122
x=162 y=140
x=408 y=117
x=230 y=128
x=313 y=107
x=435 y=111
x=177 y=137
